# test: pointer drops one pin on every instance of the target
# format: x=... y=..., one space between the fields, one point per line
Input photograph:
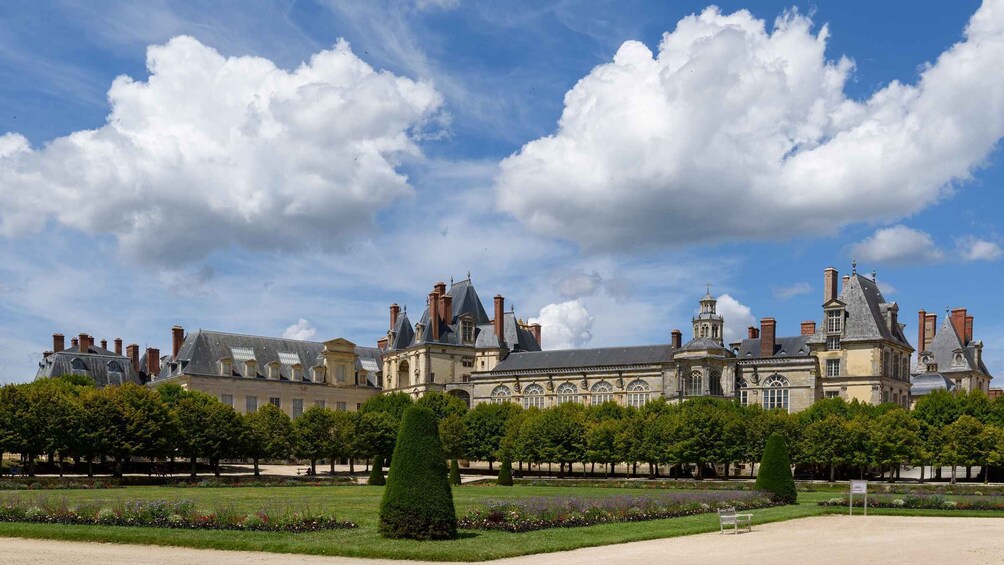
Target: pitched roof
x=946 y=343
x=103 y=366
x=516 y=338
x=866 y=314
x=595 y=357
x=794 y=346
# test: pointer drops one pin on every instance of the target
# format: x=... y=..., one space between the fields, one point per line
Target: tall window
x=226 y=368
x=340 y=373
x=318 y=374
x=833 y=320
x=319 y=403
x=744 y=392
x=693 y=385
x=467 y=331
x=251 y=404
x=638 y=393
x=501 y=394
x=775 y=393
x=533 y=396
x=567 y=392
x=715 y=383
x=274 y=401
x=341 y=407
x=297 y=407
x=602 y=392
x=227 y=399
x=273 y=371
x=833 y=343
x=833 y=367
x=297 y=372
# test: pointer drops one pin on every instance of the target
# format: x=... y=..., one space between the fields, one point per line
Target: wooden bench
x=728 y=517
x=306 y=471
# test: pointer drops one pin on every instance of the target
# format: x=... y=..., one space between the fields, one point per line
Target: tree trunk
x=257 y=473
x=727 y=465
x=969 y=472
x=60 y=465
x=332 y=466
x=922 y=467
x=313 y=467
x=194 y=472
x=90 y=466
x=352 y=465
x=490 y=465
x=31 y=465
x=216 y=467
x=118 y=467
x=953 y=474
x=752 y=469
x=832 y=473
x=592 y=468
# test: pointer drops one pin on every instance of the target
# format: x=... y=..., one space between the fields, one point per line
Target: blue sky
x=224 y=186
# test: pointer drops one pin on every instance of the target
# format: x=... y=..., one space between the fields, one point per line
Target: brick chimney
x=830 y=276
x=677 y=339
x=118 y=346
x=177 y=338
x=382 y=343
x=969 y=329
x=767 y=341
x=921 y=330
x=58 y=343
x=104 y=344
x=82 y=340
x=499 y=318
x=930 y=330
x=446 y=303
x=434 y=315
x=395 y=310
x=74 y=342
x=808 y=327
x=959 y=322
x=440 y=288
x=845 y=279
x=535 y=330
x=152 y=361
x=132 y=352
x=753 y=332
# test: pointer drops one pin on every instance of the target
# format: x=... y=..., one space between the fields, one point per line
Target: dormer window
x=958 y=360
x=78 y=364
x=226 y=368
x=467 y=331
x=274 y=371
x=250 y=369
x=834 y=321
x=297 y=372
x=115 y=367
x=318 y=374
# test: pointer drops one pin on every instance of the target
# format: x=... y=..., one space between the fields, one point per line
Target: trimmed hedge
x=505 y=474
x=454 y=472
x=376 y=473
x=775 y=476
x=418 y=503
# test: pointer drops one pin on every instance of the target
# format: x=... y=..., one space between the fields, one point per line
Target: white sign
x=859 y=487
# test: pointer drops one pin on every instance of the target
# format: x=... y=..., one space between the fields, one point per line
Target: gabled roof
x=404 y=333
x=595 y=357
x=795 y=346
x=946 y=343
x=865 y=320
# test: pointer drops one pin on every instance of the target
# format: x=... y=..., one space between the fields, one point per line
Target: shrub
x=505 y=473
x=775 y=472
x=418 y=502
x=454 y=472
x=376 y=473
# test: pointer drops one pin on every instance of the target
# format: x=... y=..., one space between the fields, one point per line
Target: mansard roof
x=866 y=314
x=946 y=343
x=581 y=358
x=100 y=365
x=794 y=346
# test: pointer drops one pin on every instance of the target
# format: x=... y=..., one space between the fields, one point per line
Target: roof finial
x=405 y=308
x=709 y=287
x=874 y=274
x=451 y=280
x=468 y=274
x=854 y=266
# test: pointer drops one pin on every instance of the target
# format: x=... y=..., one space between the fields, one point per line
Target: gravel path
x=824 y=539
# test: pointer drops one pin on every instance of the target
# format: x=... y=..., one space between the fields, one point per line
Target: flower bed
x=55 y=483
x=735 y=484
x=924 y=501
x=524 y=515
x=164 y=514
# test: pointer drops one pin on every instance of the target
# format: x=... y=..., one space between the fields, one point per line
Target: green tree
x=824 y=442
x=11 y=397
x=964 y=443
x=452 y=433
x=895 y=439
x=562 y=434
x=376 y=433
x=486 y=426
x=505 y=473
x=775 y=472
x=312 y=435
x=394 y=403
x=270 y=434
x=601 y=443
x=344 y=438
x=442 y=404
x=418 y=501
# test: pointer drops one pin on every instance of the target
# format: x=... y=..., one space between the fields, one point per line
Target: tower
x=708 y=324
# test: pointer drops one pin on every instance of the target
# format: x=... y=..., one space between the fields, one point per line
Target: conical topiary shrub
x=505 y=474
x=774 y=476
x=454 y=472
x=376 y=473
x=418 y=502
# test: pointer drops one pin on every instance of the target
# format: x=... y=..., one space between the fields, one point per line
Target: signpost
x=858 y=487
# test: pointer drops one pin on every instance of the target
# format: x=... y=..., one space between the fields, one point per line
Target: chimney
x=767 y=327
x=82 y=340
x=959 y=322
x=177 y=338
x=931 y=330
x=535 y=330
x=434 y=315
x=447 y=308
x=808 y=327
x=845 y=279
x=118 y=346
x=152 y=362
x=677 y=340
x=58 y=343
x=921 y=331
x=829 y=284
x=969 y=329
x=74 y=342
x=440 y=288
x=132 y=352
x=104 y=344
x=499 y=317
x=753 y=332
x=394 y=311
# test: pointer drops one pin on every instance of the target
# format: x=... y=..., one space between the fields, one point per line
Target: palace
x=856 y=351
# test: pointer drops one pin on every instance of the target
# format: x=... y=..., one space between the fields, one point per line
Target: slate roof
x=944 y=345
x=702 y=344
x=595 y=357
x=926 y=383
x=404 y=332
x=202 y=350
x=99 y=364
x=516 y=337
x=795 y=346
x=865 y=320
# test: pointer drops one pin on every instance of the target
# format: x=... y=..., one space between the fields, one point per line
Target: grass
x=359 y=504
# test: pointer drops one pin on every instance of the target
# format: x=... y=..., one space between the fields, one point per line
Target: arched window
x=775 y=393
x=115 y=367
x=704 y=330
x=715 y=384
x=78 y=364
x=501 y=394
x=533 y=396
x=567 y=392
x=637 y=393
x=602 y=392
x=694 y=385
x=743 y=390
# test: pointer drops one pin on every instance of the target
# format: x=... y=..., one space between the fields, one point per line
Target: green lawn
x=359 y=504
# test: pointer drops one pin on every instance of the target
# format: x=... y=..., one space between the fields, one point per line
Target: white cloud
x=436 y=4
x=975 y=249
x=565 y=325
x=737 y=317
x=897 y=245
x=649 y=148
x=783 y=293
x=212 y=152
x=301 y=330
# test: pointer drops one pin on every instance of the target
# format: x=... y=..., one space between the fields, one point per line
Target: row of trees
x=68 y=418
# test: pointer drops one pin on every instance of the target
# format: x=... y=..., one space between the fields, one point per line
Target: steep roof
x=944 y=345
x=516 y=338
x=103 y=366
x=595 y=357
x=794 y=346
x=866 y=314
